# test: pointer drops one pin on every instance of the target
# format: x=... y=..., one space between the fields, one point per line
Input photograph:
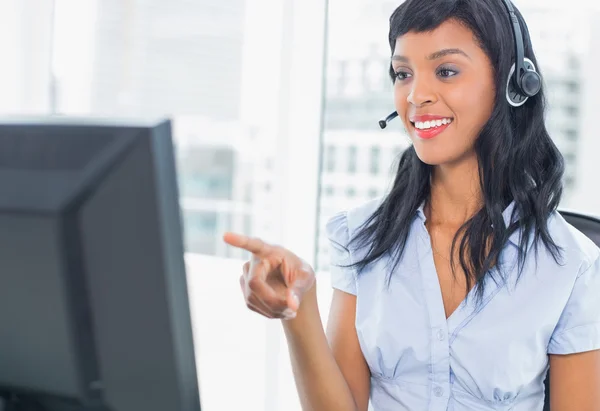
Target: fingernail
x=288 y=313
x=296 y=299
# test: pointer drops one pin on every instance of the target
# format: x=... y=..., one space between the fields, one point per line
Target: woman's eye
x=446 y=72
x=402 y=75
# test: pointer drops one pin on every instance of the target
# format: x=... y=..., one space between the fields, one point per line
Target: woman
x=463 y=285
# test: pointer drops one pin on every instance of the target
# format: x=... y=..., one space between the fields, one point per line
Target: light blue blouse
x=487 y=357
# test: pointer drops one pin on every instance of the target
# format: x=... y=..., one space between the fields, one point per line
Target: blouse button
x=441 y=335
x=438 y=391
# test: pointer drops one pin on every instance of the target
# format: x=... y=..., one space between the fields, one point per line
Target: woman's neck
x=455 y=193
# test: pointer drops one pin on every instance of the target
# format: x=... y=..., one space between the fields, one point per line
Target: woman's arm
x=575 y=382
x=278 y=284
x=330 y=375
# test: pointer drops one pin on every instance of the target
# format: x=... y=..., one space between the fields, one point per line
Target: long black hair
x=518 y=160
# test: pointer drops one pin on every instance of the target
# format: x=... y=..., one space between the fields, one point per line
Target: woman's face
x=444 y=91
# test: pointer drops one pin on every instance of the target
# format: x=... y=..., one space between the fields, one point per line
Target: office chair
x=590 y=226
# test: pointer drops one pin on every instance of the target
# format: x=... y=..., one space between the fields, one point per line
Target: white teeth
x=423 y=125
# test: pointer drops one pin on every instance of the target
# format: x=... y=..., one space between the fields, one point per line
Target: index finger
x=252 y=244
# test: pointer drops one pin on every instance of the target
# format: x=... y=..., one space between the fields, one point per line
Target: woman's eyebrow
x=433 y=56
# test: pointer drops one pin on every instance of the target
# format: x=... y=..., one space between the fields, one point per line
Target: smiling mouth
x=430 y=124
x=428 y=129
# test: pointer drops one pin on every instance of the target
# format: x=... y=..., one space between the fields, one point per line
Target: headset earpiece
x=523 y=79
x=530 y=84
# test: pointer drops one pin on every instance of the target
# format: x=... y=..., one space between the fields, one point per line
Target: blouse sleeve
x=342 y=278
x=578 y=329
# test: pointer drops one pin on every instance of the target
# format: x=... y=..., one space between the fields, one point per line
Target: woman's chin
x=432 y=158
x=439 y=157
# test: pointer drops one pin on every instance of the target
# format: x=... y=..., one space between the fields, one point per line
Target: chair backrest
x=590 y=226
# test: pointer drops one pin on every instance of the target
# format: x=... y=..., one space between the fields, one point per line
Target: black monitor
x=94 y=310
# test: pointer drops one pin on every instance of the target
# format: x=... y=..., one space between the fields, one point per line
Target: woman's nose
x=421 y=93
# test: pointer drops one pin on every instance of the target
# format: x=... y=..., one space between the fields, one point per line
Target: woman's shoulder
x=575 y=244
x=343 y=224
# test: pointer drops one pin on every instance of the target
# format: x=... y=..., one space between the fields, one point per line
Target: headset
x=523 y=79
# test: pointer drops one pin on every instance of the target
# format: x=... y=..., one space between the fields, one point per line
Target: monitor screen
x=94 y=306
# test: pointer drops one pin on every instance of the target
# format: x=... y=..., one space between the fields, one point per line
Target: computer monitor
x=94 y=310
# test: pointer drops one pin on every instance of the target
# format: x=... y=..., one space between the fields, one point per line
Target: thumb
x=298 y=281
x=293 y=299
x=296 y=291
x=290 y=276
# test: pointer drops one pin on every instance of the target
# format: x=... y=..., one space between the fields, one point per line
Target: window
x=199 y=229
x=569 y=158
x=352 y=159
x=330 y=158
x=569 y=182
x=375 y=160
x=571 y=134
x=248 y=193
x=247 y=135
x=354 y=84
x=375 y=77
x=248 y=224
x=572 y=111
